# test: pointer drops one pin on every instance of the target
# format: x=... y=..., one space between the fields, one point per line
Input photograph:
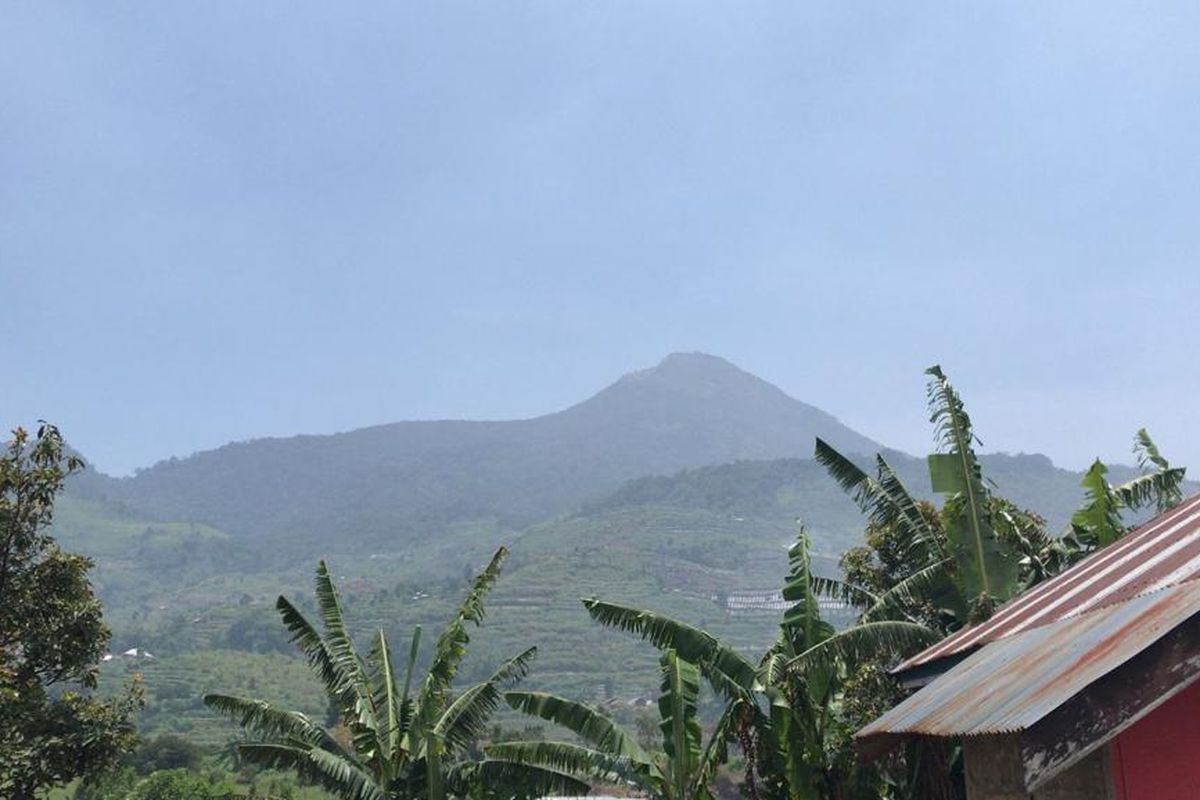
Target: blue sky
x=227 y=220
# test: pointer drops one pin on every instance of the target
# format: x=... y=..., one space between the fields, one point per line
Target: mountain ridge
x=689 y=410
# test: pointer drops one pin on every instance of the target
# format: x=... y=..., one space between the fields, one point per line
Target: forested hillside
x=677 y=488
x=400 y=480
x=796 y=488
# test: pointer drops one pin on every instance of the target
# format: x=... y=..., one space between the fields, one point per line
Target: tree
x=680 y=771
x=165 y=752
x=177 y=784
x=950 y=567
x=403 y=743
x=52 y=730
x=785 y=712
x=1098 y=522
x=987 y=565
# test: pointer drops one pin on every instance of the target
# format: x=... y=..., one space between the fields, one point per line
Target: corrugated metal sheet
x=1013 y=682
x=1163 y=552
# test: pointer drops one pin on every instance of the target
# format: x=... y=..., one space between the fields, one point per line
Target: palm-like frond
x=452 y=644
x=344 y=681
x=572 y=758
x=588 y=724
x=986 y=567
x=1162 y=485
x=387 y=699
x=884 y=498
x=333 y=618
x=862 y=642
x=678 y=699
x=360 y=718
x=772 y=669
x=1163 y=489
x=1098 y=522
x=515 y=669
x=911 y=592
x=802 y=624
x=407 y=710
x=333 y=676
x=497 y=779
x=343 y=776
x=266 y=720
x=1147 y=452
x=401 y=745
x=716 y=752
x=922 y=539
x=834 y=589
x=467 y=716
x=729 y=673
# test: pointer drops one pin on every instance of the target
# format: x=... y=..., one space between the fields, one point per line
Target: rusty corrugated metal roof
x=1163 y=552
x=1013 y=682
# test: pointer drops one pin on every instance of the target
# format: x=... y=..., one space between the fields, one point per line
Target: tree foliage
x=52 y=635
x=950 y=567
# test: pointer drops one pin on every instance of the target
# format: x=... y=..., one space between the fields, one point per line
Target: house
x=1086 y=687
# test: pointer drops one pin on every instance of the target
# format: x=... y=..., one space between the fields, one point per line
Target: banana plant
x=1098 y=521
x=916 y=539
x=960 y=560
x=404 y=743
x=965 y=560
x=988 y=567
x=783 y=709
x=610 y=754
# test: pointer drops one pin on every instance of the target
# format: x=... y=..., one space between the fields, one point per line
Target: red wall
x=1159 y=757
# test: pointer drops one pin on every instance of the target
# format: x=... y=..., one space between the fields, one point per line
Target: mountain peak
x=692 y=369
x=695 y=359
x=690 y=410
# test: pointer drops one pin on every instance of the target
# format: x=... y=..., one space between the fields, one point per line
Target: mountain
x=411 y=478
x=676 y=488
x=790 y=489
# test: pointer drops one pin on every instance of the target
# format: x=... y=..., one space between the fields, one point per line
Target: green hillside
x=407 y=479
x=677 y=488
x=202 y=601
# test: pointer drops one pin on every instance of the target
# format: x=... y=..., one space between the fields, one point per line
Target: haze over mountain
x=675 y=488
x=689 y=411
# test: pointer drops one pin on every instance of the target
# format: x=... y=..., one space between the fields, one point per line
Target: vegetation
x=52 y=635
x=398 y=744
x=407 y=480
x=346 y=717
x=948 y=568
x=786 y=713
x=678 y=771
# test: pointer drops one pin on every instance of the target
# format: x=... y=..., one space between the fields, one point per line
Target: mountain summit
x=690 y=410
x=694 y=409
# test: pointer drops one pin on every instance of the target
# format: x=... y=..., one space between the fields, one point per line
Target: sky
x=221 y=221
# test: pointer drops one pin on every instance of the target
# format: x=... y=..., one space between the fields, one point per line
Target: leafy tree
x=165 y=752
x=51 y=635
x=178 y=784
x=403 y=743
x=115 y=784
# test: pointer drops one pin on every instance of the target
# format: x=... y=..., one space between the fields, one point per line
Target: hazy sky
x=228 y=220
